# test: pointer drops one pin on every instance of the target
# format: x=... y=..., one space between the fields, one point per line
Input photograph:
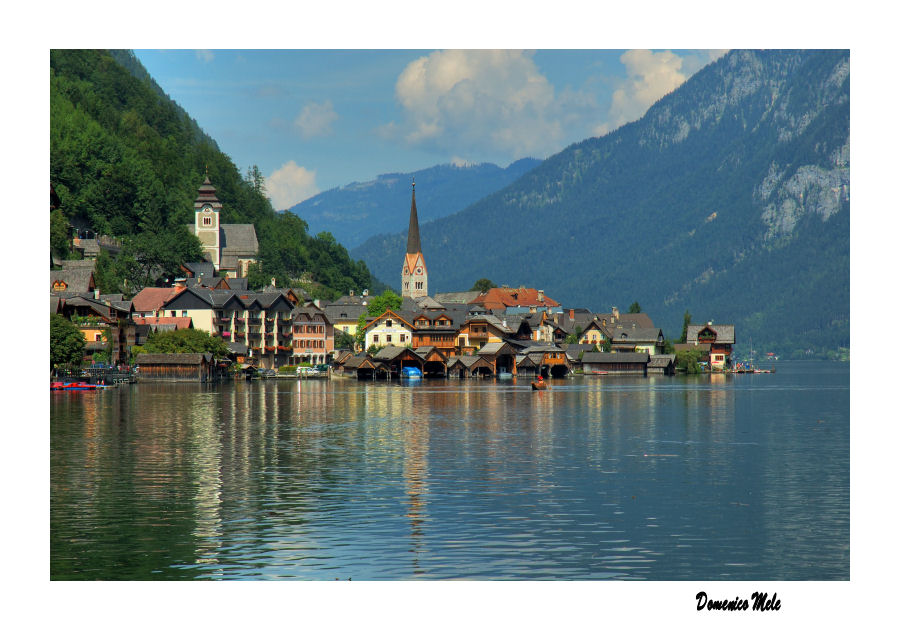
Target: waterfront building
x=414 y=278
x=313 y=335
x=718 y=337
x=389 y=329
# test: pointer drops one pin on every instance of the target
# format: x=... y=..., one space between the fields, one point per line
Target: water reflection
x=704 y=477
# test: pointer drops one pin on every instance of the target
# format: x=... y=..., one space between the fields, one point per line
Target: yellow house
x=389 y=329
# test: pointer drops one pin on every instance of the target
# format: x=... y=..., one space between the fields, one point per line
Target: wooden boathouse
x=615 y=363
x=176 y=367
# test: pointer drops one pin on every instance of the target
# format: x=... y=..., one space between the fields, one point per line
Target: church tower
x=414 y=280
x=206 y=222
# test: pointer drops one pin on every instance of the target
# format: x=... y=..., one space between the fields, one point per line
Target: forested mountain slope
x=126 y=161
x=729 y=199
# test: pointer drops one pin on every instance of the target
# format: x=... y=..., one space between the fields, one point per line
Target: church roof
x=206 y=194
x=413 y=242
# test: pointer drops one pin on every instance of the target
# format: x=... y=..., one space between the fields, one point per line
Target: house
x=396 y=358
x=435 y=361
x=389 y=329
x=438 y=329
x=637 y=340
x=615 y=363
x=720 y=338
x=149 y=301
x=313 y=335
x=501 y=356
x=661 y=364
x=480 y=330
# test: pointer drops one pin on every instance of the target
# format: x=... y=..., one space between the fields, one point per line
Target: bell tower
x=206 y=222
x=414 y=278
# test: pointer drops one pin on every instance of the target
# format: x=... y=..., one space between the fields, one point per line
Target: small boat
x=411 y=372
x=78 y=385
x=540 y=385
x=504 y=375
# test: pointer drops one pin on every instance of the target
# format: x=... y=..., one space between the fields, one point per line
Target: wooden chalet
x=438 y=330
x=396 y=358
x=662 y=364
x=465 y=366
x=501 y=355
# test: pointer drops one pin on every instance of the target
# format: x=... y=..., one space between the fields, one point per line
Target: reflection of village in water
x=301 y=478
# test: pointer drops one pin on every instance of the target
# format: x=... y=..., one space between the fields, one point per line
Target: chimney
x=96 y=294
x=272 y=282
x=540 y=295
x=365 y=292
x=615 y=314
x=571 y=314
x=351 y=293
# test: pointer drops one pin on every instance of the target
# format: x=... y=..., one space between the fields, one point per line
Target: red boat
x=79 y=385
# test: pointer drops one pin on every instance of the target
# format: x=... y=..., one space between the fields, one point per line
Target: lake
x=708 y=477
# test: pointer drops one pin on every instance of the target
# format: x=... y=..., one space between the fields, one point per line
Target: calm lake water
x=731 y=477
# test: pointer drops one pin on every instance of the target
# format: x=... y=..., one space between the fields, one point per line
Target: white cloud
x=650 y=76
x=459 y=100
x=315 y=119
x=205 y=56
x=290 y=184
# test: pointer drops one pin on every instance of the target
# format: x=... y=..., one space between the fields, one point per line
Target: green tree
x=684 y=328
x=635 y=307
x=380 y=304
x=185 y=341
x=360 y=332
x=66 y=342
x=482 y=285
x=59 y=234
x=344 y=340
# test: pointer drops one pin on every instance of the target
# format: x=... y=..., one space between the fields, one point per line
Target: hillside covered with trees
x=126 y=161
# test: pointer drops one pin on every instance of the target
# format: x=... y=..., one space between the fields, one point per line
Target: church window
x=207 y=221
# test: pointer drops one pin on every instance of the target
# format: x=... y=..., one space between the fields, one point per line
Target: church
x=230 y=247
x=414 y=279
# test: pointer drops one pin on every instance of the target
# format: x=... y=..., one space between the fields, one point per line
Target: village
x=500 y=332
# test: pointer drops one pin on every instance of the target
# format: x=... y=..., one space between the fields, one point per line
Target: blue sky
x=312 y=120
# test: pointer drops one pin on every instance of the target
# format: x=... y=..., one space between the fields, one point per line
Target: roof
x=615 y=358
x=413 y=242
x=159 y=323
x=634 y=335
x=173 y=358
x=457 y=297
x=503 y=297
x=77 y=280
x=236 y=348
x=335 y=312
x=427 y=302
x=201 y=268
x=390 y=352
x=153 y=298
x=237 y=240
x=724 y=332
x=661 y=360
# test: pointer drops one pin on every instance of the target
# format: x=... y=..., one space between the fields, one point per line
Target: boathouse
x=615 y=363
x=175 y=367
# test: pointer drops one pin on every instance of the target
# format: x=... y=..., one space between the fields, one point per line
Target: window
x=387 y=338
x=183 y=314
x=402 y=338
x=207 y=221
x=388 y=323
x=172 y=314
x=345 y=328
x=98 y=337
x=375 y=339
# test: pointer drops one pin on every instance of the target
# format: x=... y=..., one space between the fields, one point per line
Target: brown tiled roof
x=502 y=297
x=180 y=323
x=153 y=298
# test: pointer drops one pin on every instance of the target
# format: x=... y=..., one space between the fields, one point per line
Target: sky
x=312 y=120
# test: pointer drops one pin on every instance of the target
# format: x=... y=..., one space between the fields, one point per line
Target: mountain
x=126 y=161
x=350 y=211
x=729 y=199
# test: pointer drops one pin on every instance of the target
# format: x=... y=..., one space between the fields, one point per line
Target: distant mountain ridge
x=730 y=199
x=351 y=213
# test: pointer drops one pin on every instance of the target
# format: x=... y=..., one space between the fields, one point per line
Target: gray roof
x=238 y=240
x=335 y=312
x=661 y=360
x=724 y=332
x=79 y=264
x=457 y=297
x=615 y=358
x=428 y=302
x=236 y=348
x=77 y=280
x=634 y=335
x=201 y=268
x=390 y=352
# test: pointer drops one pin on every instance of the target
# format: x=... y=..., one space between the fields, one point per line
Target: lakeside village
x=501 y=332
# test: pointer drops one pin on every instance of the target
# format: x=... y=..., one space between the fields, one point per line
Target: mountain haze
x=350 y=212
x=729 y=199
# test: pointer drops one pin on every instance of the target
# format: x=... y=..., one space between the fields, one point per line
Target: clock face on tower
x=406 y=270
x=207 y=209
x=418 y=270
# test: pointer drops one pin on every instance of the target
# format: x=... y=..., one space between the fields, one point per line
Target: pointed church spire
x=413 y=243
